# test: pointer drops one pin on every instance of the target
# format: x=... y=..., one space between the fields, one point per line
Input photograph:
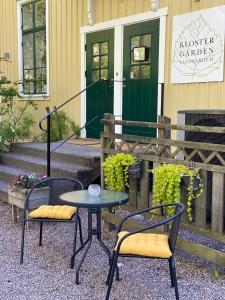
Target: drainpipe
x=155 y=5
x=90 y=11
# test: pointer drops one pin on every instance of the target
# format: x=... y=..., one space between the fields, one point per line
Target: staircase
x=76 y=161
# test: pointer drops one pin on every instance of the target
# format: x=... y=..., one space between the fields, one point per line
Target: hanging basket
x=136 y=170
x=185 y=182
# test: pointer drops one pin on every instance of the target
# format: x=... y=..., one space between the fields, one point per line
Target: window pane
x=95 y=75
x=135 y=42
x=40 y=45
x=28 y=74
x=146 y=40
x=104 y=61
x=134 y=72
x=145 y=71
x=95 y=49
x=28 y=51
x=27 y=12
x=95 y=62
x=40 y=13
x=104 y=74
x=29 y=87
x=40 y=80
x=104 y=47
x=28 y=82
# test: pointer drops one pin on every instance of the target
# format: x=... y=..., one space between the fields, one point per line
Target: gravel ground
x=45 y=273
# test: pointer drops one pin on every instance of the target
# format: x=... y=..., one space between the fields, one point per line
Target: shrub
x=61 y=127
x=15 y=122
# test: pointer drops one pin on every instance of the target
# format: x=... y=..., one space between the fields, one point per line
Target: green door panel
x=100 y=66
x=141 y=75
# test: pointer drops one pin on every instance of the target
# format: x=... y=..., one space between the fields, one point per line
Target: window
x=100 y=61
x=34 y=64
x=140 y=70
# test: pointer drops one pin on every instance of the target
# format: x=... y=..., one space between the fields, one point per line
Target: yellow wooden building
x=68 y=44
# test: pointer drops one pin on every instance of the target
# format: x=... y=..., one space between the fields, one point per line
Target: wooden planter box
x=17 y=199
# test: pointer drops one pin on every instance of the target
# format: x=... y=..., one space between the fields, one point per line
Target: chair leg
x=72 y=261
x=112 y=269
x=171 y=272
x=40 y=234
x=22 y=238
x=80 y=230
x=173 y=276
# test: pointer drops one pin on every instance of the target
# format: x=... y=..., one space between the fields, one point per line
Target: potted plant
x=116 y=171
x=24 y=181
x=168 y=179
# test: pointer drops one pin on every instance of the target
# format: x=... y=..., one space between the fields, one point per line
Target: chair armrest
x=141 y=212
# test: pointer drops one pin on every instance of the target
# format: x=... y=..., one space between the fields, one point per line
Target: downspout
x=90 y=12
x=155 y=5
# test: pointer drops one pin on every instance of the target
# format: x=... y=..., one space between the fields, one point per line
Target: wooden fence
x=208 y=214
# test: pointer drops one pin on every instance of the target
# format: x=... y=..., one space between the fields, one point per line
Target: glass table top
x=106 y=198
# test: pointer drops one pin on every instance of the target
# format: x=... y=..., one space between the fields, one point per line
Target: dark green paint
x=140 y=95
x=99 y=98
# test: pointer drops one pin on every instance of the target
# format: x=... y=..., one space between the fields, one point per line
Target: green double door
x=140 y=72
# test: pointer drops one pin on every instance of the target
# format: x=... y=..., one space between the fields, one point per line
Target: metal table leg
x=87 y=244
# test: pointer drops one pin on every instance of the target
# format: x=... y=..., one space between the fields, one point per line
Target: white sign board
x=198 y=46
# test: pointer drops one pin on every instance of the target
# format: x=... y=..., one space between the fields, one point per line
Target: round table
x=82 y=199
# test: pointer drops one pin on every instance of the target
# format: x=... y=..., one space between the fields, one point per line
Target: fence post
x=162 y=134
x=217 y=202
x=105 y=144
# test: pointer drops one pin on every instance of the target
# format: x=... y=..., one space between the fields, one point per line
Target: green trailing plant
x=116 y=171
x=15 y=122
x=61 y=127
x=167 y=183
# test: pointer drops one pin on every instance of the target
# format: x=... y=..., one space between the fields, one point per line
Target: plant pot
x=185 y=182
x=136 y=170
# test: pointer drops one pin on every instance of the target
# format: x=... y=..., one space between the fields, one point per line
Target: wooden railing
x=155 y=151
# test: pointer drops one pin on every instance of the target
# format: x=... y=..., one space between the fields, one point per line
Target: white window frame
x=20 y=51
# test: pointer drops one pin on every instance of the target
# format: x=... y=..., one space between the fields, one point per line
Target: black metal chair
x=138 y=243
x=42 y=204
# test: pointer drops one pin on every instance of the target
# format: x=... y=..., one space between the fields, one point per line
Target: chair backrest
x=60 y=185
x=179 y=209
x=48 y=190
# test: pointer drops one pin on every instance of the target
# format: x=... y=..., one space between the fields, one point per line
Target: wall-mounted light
x=155 y=5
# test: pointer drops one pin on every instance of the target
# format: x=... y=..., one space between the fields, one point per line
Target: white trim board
x=118 y=25
x=149 y=15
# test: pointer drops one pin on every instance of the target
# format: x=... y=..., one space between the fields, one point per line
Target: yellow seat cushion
x=64 y=212
x=145 y=244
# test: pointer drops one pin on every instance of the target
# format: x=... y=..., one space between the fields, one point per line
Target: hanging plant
x=116 y=171
x=167 y=183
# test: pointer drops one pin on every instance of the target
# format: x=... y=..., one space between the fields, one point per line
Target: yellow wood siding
x=188 y=96
x=65 y=19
